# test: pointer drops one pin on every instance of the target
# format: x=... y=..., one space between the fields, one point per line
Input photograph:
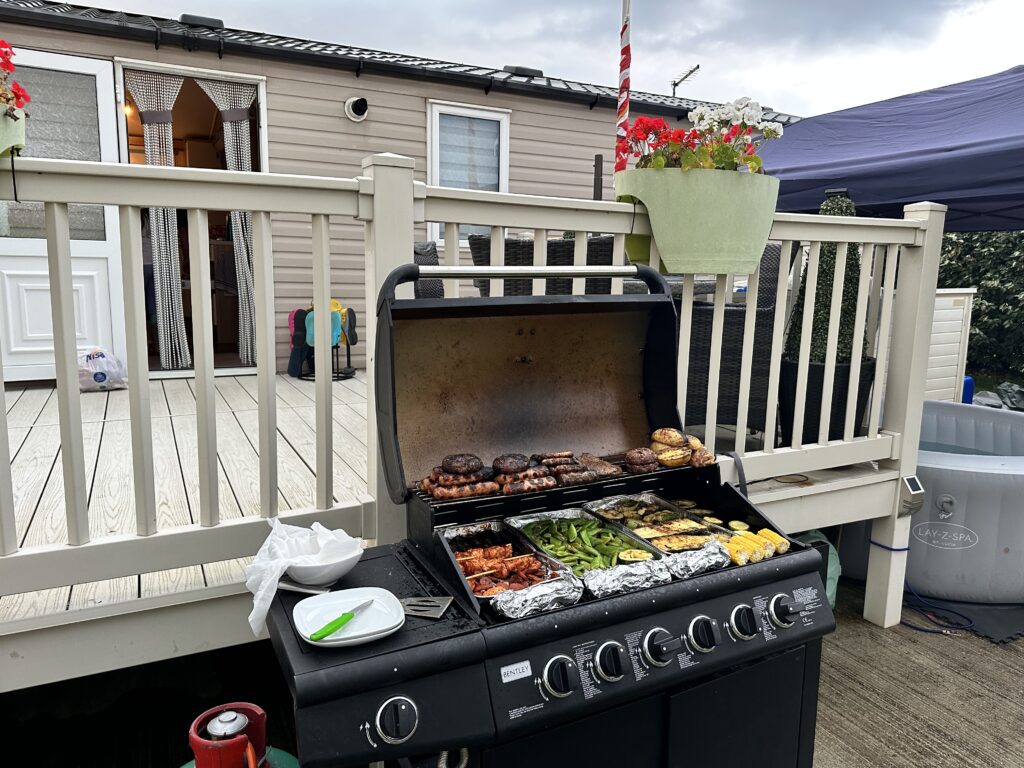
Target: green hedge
x=992 y=262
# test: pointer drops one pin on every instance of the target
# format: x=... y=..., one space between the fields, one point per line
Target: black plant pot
x=812 y=409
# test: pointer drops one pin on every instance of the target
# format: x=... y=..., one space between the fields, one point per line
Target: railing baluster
x=540 y=259
x=202 y=355
x=874 y=299
x=832 y=342
x=322 y=343
x=807 y=325
x=798 y=277
x=780 y=315
x=266 y=362
x=683 y=360
x=856 y=352
x=618 y=260
x=451 y=258
x=884 y=334
x=65 y=353
x=8 y=527
x=655 y=262
x=722 y=283
x=133 y=289
x=746 y=358
x=579 y=259
x=497 y=258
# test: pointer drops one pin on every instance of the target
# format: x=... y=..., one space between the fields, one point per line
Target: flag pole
x=622 y=115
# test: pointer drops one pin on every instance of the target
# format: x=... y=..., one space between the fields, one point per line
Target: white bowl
x=320 y=574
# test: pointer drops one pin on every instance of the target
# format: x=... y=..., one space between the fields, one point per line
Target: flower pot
x=705 y=221
x=812 y=409
x=12 y=133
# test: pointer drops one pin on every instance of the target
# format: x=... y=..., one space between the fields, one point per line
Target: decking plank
x=49 y=524
x=172 y=581
x=295 y=479
x=11 y=395
x=234 y=394
x=226 y=571
x=185 y=431
x=348 y=485
x=251 y=385
x=220 y=403
x=292 y=394
x=29 y=604
x=118 y=405
x=104 y=592
x=347 y=447
x=28 y=407
x=240 y=464
x=157 y=399
x=94 y=408
x=112 y=503
x=15 y=439
x=355 y=385
x=180 y=400
x=30 y=472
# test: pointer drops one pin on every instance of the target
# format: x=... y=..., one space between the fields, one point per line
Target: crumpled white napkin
x=289 y=545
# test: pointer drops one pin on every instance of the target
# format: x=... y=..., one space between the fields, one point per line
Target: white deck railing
x=393 y=207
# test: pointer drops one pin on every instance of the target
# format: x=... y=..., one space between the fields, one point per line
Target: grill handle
x=408 y=273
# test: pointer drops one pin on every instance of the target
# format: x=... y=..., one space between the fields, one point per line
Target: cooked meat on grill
x=601 y=467
x=578 y=478
x=675 y=457
x=565 y=469
x=509 y=463
x=641 y=456
x=448 y=479
x=426 y=485
x=462 y=464
x=669 y=436
x=702 y=458
x=557 y=461
x=503 y=571
x=641 y=469
x=552 y=455
x=529 y=486
x=465 y=491
x=490 y=553
x=526 y=474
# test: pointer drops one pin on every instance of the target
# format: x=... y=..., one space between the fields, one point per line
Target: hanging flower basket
x=12 y=133
x=710 y=205
x=704 y=221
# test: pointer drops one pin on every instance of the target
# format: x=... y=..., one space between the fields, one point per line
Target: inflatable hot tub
x=967 y=542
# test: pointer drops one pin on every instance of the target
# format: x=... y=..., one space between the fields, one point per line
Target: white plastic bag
x=285 y=546
x=99 y=370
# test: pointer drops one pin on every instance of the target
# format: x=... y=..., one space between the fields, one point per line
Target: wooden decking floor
x=34 y=439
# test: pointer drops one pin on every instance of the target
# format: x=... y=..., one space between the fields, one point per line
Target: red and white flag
x=622 y=117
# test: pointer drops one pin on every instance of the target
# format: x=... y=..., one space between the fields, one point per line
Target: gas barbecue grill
x=720 y=668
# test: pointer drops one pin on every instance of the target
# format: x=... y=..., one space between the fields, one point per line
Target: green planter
x=12 y=133
x=705 y=221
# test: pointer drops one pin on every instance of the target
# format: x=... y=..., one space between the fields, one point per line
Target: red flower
x=6 y=65
x=5 y=49
x=21 y=97
x=751 y=149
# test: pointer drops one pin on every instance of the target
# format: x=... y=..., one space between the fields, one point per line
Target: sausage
x=447 y=493
x=578 y=478
x=558 y=461
x=563 y=469
x=448 y=479
x=526 y=474
x=552 y=455
x=426 y=485
x=529 y=486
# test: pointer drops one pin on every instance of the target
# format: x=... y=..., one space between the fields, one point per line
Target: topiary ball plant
x=834 y=205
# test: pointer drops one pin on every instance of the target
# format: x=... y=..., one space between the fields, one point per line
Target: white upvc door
x=72 y=117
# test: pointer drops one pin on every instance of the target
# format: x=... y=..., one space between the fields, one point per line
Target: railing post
x=904 y=402
x=389 y=221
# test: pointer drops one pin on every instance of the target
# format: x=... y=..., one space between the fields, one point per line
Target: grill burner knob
x=397 y=719
x=744 y=622
x=704 y=634
x=560 y=678
x=660 y=646
x=783 y=610
x=610 y=661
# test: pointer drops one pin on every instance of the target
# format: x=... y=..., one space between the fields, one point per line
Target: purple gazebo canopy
x=962 y=145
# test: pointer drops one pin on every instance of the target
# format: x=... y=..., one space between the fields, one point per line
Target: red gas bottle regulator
x=234 y=736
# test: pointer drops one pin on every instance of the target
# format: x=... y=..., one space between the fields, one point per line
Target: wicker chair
x=519 y=253
x=425 y=254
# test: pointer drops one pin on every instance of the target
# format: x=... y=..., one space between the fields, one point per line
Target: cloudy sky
x=804 y=57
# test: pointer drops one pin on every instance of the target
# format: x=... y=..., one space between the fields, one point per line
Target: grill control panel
x=668 y=647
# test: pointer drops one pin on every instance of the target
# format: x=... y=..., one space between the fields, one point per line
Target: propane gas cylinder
x=234 y=736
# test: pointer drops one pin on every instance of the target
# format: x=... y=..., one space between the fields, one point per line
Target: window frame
x=436 y=108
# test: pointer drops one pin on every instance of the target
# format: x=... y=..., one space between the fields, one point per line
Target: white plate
x=379 y=619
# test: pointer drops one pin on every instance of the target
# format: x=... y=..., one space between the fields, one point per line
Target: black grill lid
x=520 y=374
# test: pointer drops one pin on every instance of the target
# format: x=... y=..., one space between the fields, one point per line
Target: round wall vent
x=356 y=108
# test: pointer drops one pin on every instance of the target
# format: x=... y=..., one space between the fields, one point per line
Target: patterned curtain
x=155 y=94
x=234 y=100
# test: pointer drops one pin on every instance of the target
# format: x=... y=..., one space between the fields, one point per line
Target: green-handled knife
x=333 y=626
